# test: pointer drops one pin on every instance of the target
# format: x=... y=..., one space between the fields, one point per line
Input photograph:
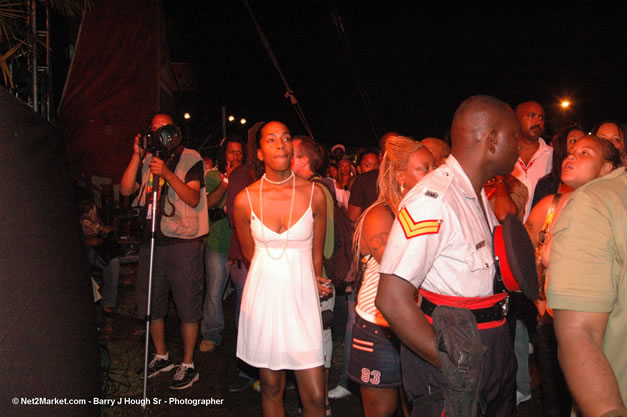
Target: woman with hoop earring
x=375 y=359
x=280 y=222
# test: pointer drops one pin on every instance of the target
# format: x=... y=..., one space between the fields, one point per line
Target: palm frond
x=70 y=7
x=6 y=74
x=11 y=9
x=11 y=12
x=11 y=51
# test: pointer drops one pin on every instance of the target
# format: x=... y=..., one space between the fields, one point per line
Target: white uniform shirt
x=541 y=164
x=440 y=240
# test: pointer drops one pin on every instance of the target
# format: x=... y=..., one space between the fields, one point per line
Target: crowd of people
x=426 y=330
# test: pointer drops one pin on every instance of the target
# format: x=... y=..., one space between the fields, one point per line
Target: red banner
x=114 y=84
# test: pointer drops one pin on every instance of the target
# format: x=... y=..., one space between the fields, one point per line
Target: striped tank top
x=368 y=292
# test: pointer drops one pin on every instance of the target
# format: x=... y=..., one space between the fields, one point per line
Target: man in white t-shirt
x=535 y=156
x=535 y=159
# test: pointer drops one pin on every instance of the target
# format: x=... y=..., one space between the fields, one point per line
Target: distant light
x=187 y=116
x=242 y=121
x=231 y=118
x=565 y=104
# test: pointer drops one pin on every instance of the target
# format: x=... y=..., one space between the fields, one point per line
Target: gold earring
x=402 y=188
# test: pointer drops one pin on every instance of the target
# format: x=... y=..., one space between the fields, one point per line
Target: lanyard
x=525 y=168
x=149 y=189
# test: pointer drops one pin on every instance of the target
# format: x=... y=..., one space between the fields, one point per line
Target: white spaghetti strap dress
x=280 y=326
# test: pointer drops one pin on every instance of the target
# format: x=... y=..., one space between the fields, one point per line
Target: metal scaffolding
x=38 y=56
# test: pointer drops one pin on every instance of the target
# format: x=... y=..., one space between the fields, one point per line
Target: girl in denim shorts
x=374 y=360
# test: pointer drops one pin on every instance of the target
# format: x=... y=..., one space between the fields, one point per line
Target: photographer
x=180 y=226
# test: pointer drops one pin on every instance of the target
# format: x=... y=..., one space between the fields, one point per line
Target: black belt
x=496 y=312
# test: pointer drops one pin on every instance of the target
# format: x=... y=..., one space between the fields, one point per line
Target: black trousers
x=498 y=378
x=556 y=399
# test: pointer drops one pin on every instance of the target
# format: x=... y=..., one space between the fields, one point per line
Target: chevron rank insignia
x=413 y=228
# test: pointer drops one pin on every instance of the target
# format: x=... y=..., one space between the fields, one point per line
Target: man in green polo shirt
x=217 y=244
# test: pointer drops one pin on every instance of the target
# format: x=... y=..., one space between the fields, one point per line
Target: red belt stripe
x=470 y=303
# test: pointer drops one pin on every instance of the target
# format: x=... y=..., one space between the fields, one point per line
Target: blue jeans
x=348 y=339
x=239 y=271
x=110 y=276
x=521 y=349
x=216 y=278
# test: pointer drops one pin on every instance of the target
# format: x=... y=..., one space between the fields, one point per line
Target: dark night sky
x=417 y=61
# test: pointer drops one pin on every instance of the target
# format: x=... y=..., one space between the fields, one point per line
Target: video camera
x=162 y=141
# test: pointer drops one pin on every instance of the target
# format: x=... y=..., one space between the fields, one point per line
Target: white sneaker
x=521 y=398
x=339 y=392
x=184 y=377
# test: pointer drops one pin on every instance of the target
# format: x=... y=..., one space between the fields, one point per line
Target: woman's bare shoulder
x=378 y=218
x=538 y=212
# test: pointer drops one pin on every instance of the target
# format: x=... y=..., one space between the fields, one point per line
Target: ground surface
x=123 y=357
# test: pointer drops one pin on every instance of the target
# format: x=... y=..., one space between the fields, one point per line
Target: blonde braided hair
x=398 y=149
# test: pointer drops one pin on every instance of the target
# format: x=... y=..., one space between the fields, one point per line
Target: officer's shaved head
x=477 y=113
x=485 y=129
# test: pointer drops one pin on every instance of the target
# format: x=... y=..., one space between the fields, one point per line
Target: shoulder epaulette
x=436 y=185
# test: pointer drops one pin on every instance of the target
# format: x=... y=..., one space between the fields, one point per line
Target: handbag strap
x=550 y=215
x=548 y=220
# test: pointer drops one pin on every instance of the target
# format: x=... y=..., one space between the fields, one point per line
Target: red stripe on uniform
x=480 y=326
x=471 y=303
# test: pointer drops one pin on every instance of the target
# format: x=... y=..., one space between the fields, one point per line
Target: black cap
x=516 y=257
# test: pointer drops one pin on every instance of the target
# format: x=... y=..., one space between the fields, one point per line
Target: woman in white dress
x=280 y=222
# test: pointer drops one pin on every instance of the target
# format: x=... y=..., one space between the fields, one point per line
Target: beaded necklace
x=278 y=182
x=289 y=222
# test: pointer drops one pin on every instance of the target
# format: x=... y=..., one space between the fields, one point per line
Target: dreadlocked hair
x=398 y=149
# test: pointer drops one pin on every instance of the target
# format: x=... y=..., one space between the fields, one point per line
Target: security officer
x=441 y=246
